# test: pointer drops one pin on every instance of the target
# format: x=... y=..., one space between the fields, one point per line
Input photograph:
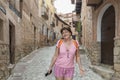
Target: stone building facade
x=48 y=28
x=101 y=33
x=71 y=19
x=59 y=23
x=25 y=25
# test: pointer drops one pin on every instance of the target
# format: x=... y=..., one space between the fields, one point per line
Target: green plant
x=78 y=27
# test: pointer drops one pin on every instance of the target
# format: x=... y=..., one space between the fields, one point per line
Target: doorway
x=35 y=40
x=12 y=42
x=107 y=36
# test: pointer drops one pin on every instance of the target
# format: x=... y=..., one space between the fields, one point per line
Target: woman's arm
x=54 y=58
x=79 y=61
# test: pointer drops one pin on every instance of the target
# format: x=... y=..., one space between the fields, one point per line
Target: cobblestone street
x=34 y=66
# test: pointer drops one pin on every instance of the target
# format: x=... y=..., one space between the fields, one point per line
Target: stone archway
x=106 y=33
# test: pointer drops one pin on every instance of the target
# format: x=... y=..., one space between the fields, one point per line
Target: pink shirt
x=66 y=57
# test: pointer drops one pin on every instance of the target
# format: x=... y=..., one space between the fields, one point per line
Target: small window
x=56 y=22
x=42 y=29
x=1 y=30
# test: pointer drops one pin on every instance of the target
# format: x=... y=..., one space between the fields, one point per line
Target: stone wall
x=117 y=58
x=90 y=16
x=87 y=28
x=28 y=32
x=4 y=61
x=94 y=53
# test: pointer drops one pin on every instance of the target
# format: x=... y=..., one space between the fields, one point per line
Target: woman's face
x=66 y=34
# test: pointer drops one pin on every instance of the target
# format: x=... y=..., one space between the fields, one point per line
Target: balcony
x=94 y=2
x=78 y=6
x=44 y=12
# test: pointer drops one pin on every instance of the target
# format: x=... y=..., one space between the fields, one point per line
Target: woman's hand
x=82 y=72
x=49 y=70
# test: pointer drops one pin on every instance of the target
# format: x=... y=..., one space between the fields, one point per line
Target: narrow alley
x=29 y=30
x=34 y=66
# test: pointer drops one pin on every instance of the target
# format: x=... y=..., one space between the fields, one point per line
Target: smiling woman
x=67 y=50
x=64 y=6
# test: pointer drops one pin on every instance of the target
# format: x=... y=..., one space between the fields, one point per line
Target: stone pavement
x=34 y=66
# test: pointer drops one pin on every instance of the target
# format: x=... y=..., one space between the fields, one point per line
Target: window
x=43 y=29
x=1 y=30
x=21 y=7
x=16 y=6
x=56 y=22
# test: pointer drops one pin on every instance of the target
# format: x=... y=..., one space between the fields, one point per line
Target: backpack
x=74 y=41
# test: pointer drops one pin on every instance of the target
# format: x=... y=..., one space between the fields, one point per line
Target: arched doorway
x=107 y=36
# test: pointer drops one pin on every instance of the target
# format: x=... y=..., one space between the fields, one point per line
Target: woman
x=63 y=59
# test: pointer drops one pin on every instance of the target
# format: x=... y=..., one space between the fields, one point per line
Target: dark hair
x=66 y=28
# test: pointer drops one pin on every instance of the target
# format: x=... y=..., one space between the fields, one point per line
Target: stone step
x=105 y=72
